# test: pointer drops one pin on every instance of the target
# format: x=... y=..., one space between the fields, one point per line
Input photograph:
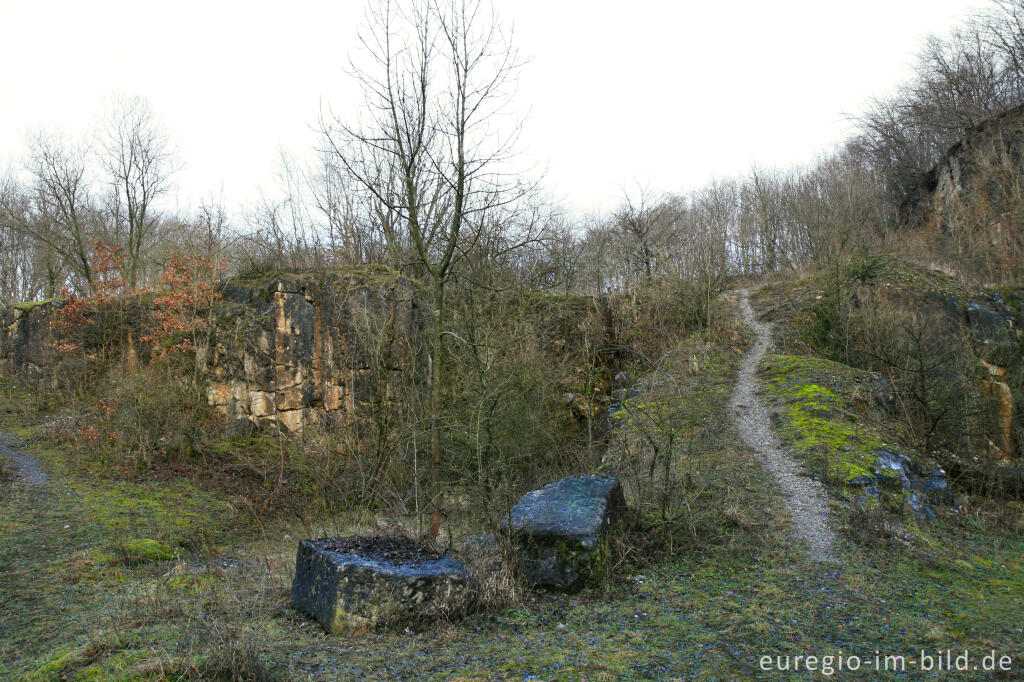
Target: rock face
x=991 y=329
x=351 y=587
x=560 y=529
x=26 y=337
x=305 y=347
x=968 y=180
x=289 y=348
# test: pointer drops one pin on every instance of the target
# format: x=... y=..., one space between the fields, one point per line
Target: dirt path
x=805 y=497
x=26 y=468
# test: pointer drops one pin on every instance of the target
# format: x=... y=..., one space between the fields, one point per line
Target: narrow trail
x=26 y=468
x=805 y=497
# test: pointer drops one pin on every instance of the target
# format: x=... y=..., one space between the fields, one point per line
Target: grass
x=103 y=578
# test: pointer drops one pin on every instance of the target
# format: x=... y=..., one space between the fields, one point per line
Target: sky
x=662 y=94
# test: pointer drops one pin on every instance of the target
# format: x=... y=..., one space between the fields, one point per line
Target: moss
x=141 y=550
x=191 y=584
x=372 y=275
x=89 y=662
x=819 y=423
x=170 y=512
x=49 y=666
x=26 y=306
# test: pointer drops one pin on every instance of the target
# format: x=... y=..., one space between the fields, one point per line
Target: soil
x=393 y=550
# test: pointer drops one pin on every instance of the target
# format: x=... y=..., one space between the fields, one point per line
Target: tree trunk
x=435 y=409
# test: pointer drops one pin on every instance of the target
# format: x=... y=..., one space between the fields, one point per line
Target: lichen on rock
x=356 y=585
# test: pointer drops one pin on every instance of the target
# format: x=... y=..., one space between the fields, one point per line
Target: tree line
x=426 y=182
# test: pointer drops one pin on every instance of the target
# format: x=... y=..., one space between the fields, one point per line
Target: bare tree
x=714 y=216
x=137 y=158
x=764 y=243
x=641 y=220
x=55 y=210
x=27 y=269
x=960 y=80
x=1004 y=30
x=430 y=153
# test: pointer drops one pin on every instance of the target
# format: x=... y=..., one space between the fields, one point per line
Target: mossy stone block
x=561 y=528
x=351 y=593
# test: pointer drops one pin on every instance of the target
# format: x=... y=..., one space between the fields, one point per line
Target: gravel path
x=805 y=497
x=26 y=468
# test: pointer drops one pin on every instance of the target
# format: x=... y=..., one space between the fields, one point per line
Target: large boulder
x=561 y=529
x=353 y=585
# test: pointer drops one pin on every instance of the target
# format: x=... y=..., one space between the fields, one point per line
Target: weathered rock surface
x=352 y=588
x=291 y=348
x=302 y=347
x=896 y=472
x=967 y=180
x=620 y=396
x=983 y=323
x=560 y=529
x=26 y=338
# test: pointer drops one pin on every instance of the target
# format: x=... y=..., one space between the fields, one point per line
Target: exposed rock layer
x=302 y=348
x=293 y=348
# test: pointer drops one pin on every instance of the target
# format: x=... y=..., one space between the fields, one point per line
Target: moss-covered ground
x=104 y=578
x=827 y=414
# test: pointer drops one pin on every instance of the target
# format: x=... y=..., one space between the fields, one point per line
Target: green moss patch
x=27 y=306
x=825 y=413
x=141 y=550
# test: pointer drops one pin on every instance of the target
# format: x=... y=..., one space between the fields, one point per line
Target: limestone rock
x=896 y=472
x=559 y=529
x=261 y=403
x=353 y=586
x=293 y=420
x=218 y=394
x=306 y=344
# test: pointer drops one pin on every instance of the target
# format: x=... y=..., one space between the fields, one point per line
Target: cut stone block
x=353 y=585
x=559 y=529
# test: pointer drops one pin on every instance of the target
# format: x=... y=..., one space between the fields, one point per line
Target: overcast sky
x=665 y=93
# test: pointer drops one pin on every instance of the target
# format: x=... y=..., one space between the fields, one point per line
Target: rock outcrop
x=897 y=473
x=26 y=338
x=291 y=348
x=963 y=330
x=305 y=347
x=967 y=184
